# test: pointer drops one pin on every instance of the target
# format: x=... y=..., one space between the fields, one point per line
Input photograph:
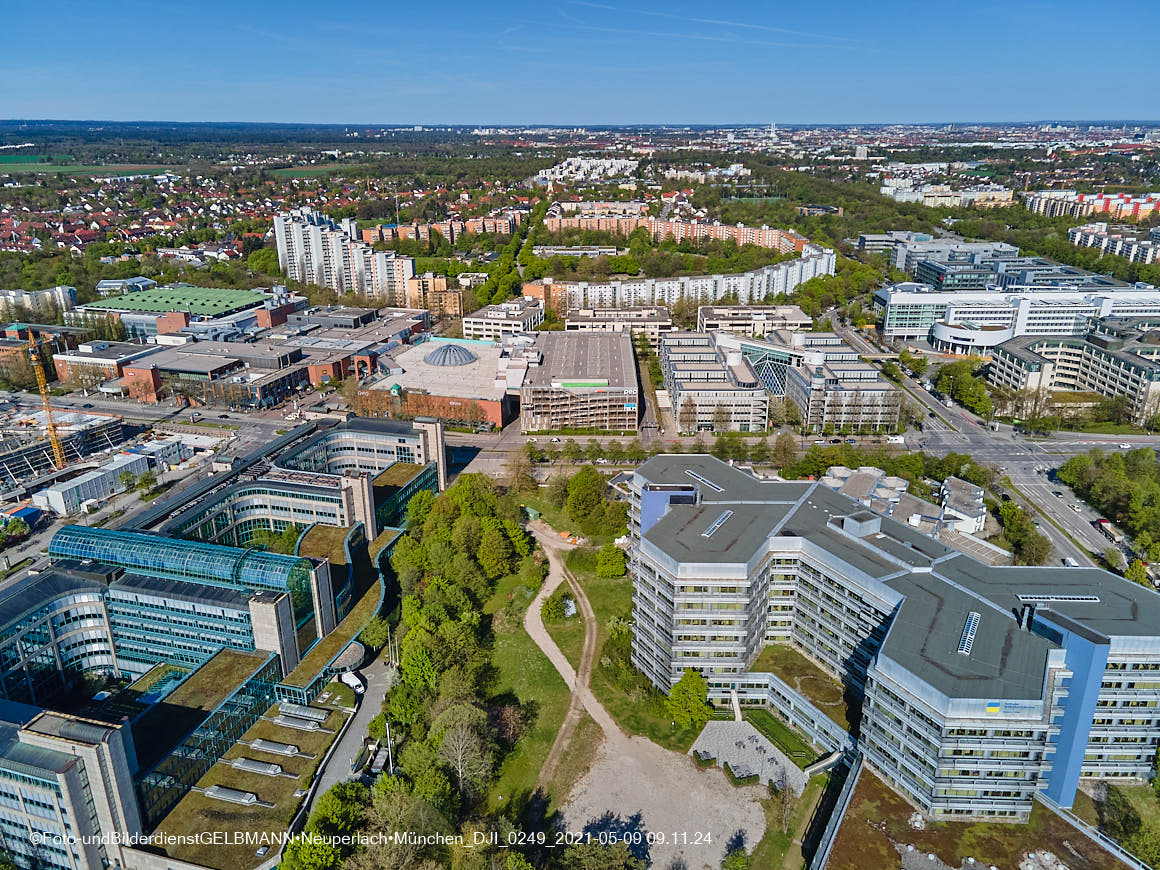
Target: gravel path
x=667 y=809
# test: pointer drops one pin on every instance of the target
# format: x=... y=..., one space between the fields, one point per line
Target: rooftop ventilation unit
x=703 y=480
x=969 y=628
x=717 y=523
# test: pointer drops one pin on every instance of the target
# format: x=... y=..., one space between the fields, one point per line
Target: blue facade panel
x=1086 y=657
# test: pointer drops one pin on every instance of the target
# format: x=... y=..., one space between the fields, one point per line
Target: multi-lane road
x=1030 y=463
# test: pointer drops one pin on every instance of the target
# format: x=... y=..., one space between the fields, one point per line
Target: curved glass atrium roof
x=450 y=355
x=158 y=556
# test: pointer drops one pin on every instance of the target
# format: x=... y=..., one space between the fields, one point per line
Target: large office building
x=66 y=788
x=843 y=396
x=755 y=320
x=904 y=250
x=977 y=321
x=972 y=688
x=494 y=322
x=580 y=382
x=359 y=471
x=822 y=376
x=1117 y=357
x=651 y=322
x=711 y=388
x=1120 y=241
x=746 y=287
x=315 y=249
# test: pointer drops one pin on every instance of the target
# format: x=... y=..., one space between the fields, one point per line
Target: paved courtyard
x=749 y=753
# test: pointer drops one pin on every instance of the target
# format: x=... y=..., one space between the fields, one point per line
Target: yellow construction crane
x=42 y=382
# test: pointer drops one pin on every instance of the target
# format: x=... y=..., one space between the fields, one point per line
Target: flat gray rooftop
x=583 y=356
x=741 y=532
x=940 y=586
x=726 y=483
x=1005 y=662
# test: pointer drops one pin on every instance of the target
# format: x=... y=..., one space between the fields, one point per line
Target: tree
x=311 y=853
x=147 y=481
x=376 y=633
x=340 y=809
x=418 y=508
x=759 y=451
x=467 y=755
x=17 y=527
x=1138 y=573
x=495 y=553
x=688 y=701
x=784 y=450
x=593 y=855
x=782 y=798
x=127 y=479
x=585 y=502
x=265 y=261
x=687 y=417
x=519 y=473
x=611 y=562
x=720 y=417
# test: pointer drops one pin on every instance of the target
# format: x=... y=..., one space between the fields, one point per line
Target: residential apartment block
x=12 y=302
x=972 y=688
x=977 y=321
x=430 y=291
x=622 y=223
x=746 y=287
x=493 y=322
x=315 y=249
x=711 y=388
x=754 y=320
x=1115 y=240
x=652 y=323
x=1117 y=357
x=1069 y=203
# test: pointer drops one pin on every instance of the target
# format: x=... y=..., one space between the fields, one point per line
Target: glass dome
x=450 y=355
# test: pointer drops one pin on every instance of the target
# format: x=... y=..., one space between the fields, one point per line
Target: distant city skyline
x=575 y=62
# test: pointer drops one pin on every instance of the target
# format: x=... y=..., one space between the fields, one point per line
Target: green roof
x=212 y=301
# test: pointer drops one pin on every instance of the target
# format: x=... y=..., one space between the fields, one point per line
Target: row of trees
x=778 y=451
x=1125 y=487
x=961 y=382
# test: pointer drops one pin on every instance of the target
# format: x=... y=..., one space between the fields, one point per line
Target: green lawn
x=90 y=169
x=783 y=737
x=576 y=759
x=613 y=597
x=341 y=695
x=569 y=637
x=777 y=848
x=315 y=171
x=525 y=673
x=825 y=692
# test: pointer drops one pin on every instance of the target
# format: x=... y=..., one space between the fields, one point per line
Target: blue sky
x=580 y=62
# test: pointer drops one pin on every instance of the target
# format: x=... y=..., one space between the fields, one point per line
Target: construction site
x=35 y=446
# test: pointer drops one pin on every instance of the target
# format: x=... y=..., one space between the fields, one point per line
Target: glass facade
x=210 y=564
x=160 y=789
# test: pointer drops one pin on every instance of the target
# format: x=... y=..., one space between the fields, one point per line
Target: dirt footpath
x=665 y=808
